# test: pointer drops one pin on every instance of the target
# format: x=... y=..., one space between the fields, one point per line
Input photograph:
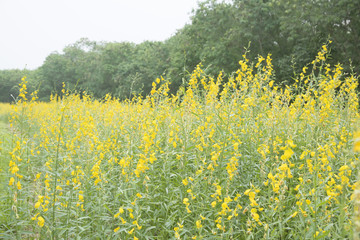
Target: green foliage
x=9 y=84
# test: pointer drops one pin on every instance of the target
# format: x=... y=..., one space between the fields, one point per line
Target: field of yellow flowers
x=241 y=159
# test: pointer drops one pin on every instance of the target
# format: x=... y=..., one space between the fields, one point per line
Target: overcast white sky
x=31 y=29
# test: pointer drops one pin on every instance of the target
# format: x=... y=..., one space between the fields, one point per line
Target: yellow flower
x=11 y=182
x=18 y=185
x=198 y=224
x=287 y=154
x=122 y=220
x=34 y=217
x=248 y=190
x=37 y=205
x=37 y=176
x=41 y=221
x=116 y=229
x=294 y=214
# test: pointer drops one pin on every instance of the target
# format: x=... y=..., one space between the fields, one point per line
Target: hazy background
x=31 y=30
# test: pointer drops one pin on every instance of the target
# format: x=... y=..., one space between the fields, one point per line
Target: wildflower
x=254 y=214
x=260 y=59
x=294 y=214
x=34 y=217
x=41 y=221
x=11 y=182
x=37 y=205
x=18 y=185
x=131 y=231
x=121 y=210
x=186 y=202
x=37 y=176
x=287 y=154
x=198 y=224
x=122 y=220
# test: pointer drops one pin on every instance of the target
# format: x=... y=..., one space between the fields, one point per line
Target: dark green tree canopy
x=292 y=31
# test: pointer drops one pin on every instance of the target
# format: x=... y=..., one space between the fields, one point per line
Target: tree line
x=217 y=36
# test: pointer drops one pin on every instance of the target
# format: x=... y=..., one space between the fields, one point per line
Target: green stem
x=56 y=173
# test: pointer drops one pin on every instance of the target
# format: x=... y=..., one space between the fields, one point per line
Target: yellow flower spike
x=37 y=205
x=34 y=217
x=357 y=141
x=131 y=231
x=198 y=224
x=11 y=181
x=121 y=210
x=116 y=229
x=266 y=183
x=37 y=176
x=41 y=221
x=136 y=223
x=287 y=154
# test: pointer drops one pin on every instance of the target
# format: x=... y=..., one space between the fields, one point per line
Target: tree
x=9 y=83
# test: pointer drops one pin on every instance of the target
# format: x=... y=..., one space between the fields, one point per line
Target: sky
x=30 y=30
